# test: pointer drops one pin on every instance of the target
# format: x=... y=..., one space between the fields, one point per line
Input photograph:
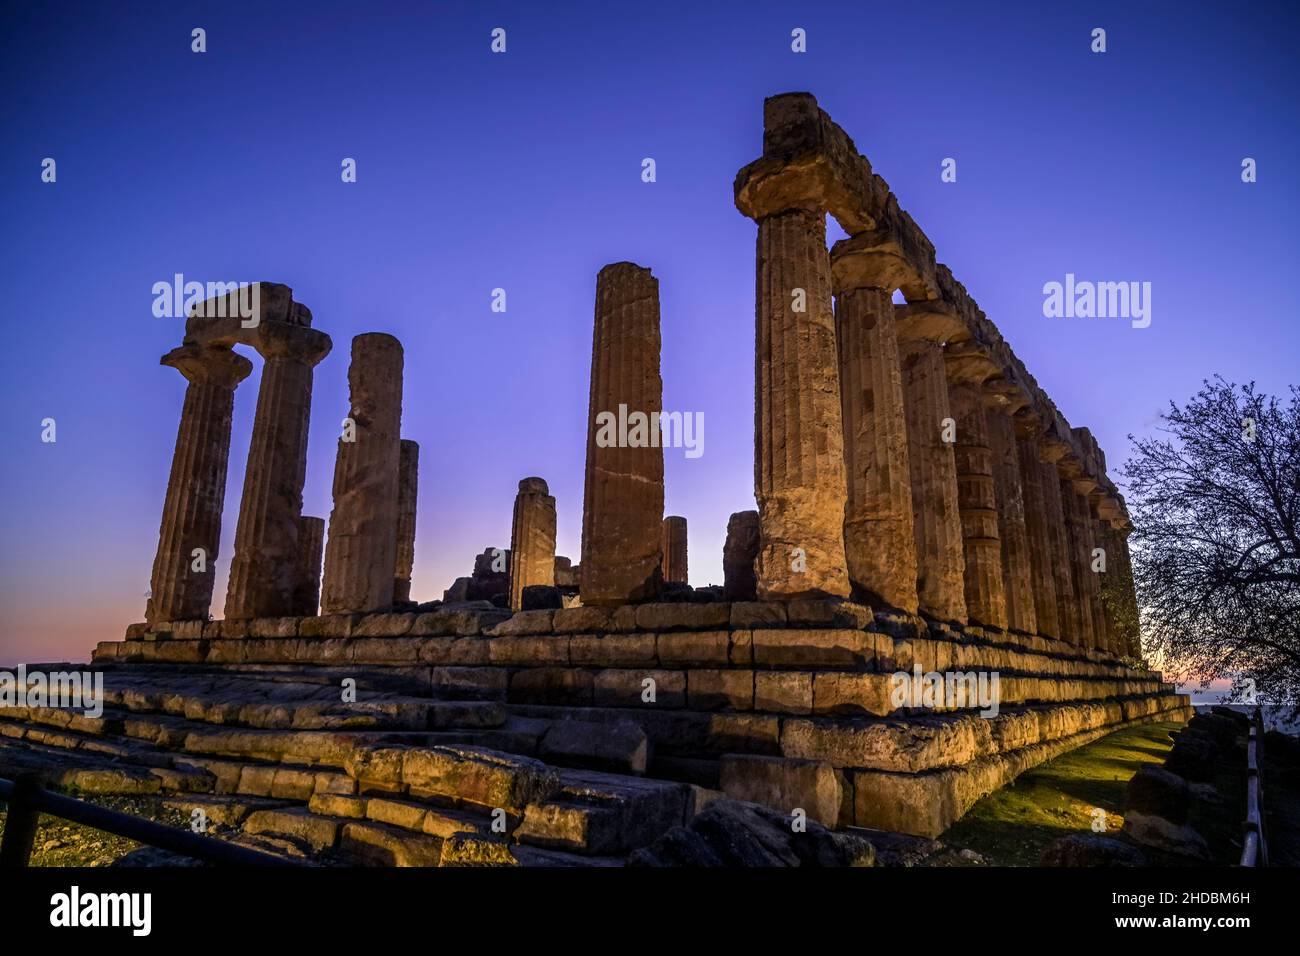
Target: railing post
x=20 y=824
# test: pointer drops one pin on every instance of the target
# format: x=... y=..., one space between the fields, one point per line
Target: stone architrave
x=360 y=553
x=623 y=499
x=532 y=540
x=184 y=569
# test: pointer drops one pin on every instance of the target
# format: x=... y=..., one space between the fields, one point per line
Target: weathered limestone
x=1017 y=572
x=1078 y=528
x=978 y=505
x=623 y=499
x=1038 y=537
x=408 y=483
x=879 y=530
x=311 y=549
x=263 y=574
x=1121 y=596
x=739 y=553
x=1061 y=554
x=360 y=554
x=940 y=561
x=182 y=581
x=674 y=550
x=532 y=540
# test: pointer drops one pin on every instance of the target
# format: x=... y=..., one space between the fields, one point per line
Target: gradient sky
x=522 y=171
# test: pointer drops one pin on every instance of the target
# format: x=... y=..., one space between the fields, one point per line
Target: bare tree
x=1215 y=502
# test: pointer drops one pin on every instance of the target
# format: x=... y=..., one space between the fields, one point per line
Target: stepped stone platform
x=579 y=736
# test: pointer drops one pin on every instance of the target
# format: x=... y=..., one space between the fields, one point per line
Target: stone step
x=603 y=814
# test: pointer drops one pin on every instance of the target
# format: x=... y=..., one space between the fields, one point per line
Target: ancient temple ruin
x=927 y=519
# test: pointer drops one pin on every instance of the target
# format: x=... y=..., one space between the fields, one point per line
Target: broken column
x=739 y=553
x=1043 y=582
x=408 y=477
x=311 y=548
x=360 y=554
x=184 y=568
x=1017 y=574
x=623 y=499
x=940 y=562
x=674 y=550
x=879 y=530
x=263 y=572
x=532 y=540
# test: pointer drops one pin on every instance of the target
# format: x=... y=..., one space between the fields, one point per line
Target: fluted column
x=1127 y=616
x=1078 y=528
x=1017 y=576
x=1060 y=552
x=311 y=549
x=361 y=551
x=799 y=438
x=739 y=552
x=532 y=540
x=879 y=530
x=408 y=478
x=978 y=506
x=1038 y=537
x=674 y=549
x=263 y=573
x=623 y=498
x=196 y=488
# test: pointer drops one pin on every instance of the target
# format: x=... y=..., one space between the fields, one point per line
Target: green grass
x=64 y=843
x=1012 y=826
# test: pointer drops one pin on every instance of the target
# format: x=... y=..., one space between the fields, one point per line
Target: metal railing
x=1254 y=849
x=27 y=800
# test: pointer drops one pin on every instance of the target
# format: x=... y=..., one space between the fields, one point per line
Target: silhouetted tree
x=1215 y=502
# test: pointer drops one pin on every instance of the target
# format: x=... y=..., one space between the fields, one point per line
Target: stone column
x=941 y=564
x=1078 y=526
x=1062 y=573
x=361 y=551
x=263 y=573
x=674 y=549
x=196 y=489
x=532 y=540
x=799 y=436
x=879 y=532
x=1017 y=576
x=738 y=556
x=978 y=505
x=1120 y=567
x=408 y=481
x=1043 y=582
x=623 y=499
x=311 y=548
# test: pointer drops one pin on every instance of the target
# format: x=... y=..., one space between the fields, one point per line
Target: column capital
x=894 y=255
x=204 y=365
x=930 y=320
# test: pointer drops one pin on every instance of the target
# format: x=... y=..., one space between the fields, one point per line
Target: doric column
x=196 y=489
x=311 y=548
x=263 y=572
x=739 y=553
x=1120 y=568
x=1043 y=582
x=1060 y=552
x=532 y=540
x=879 y=530
x=978 y=506
x=360 y=553
x=674 y=550
x=1078 y=526
x=1017 y=576
x=408 y=482
x=623 y=499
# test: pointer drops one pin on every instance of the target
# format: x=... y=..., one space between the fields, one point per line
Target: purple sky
x=522 y=171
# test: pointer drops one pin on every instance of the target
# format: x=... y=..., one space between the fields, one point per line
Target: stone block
x=784 y=785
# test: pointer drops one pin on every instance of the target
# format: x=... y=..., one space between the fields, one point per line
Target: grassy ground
x=1012 y=826
x=63 y=843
